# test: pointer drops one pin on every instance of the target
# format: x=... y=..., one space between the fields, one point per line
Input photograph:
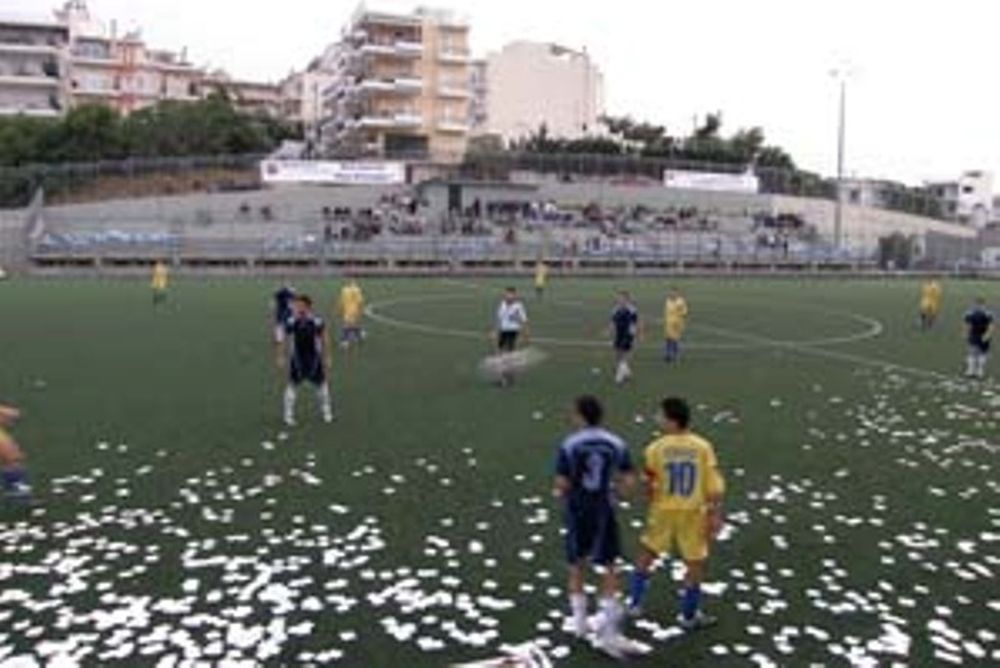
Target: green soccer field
x=177 y=520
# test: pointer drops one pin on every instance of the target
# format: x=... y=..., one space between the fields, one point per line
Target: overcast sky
x=923 y=101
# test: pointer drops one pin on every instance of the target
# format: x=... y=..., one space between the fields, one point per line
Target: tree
x=710 y=128
x=87 y=134
x=92 y=133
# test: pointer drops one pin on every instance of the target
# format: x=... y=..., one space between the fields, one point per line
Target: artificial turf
x=177 y=518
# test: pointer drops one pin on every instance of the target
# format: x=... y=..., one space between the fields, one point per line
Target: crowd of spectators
x=590 y=229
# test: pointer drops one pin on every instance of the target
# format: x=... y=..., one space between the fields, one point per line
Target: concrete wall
x=863 y=226
x=289 y=204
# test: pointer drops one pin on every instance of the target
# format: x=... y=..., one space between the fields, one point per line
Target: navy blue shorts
x=312 y=371
x=507 y=341
x=592 y=534
x=624 y=344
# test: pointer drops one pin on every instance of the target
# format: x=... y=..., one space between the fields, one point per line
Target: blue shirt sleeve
x=625 y=461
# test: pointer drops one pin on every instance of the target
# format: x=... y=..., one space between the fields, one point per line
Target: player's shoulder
x=700 y=442
x=611 y=437
x=657 y=444
x=592 y=435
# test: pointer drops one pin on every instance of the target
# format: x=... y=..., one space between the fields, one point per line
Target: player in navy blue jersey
x=625 y=331
x=591 y=464
x=308 y=358
x=979 y=336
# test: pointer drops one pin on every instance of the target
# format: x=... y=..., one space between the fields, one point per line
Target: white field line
x=375 y=311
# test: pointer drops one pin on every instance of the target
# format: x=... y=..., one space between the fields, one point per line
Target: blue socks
x=690 y=601
x=638 y=586
x=13 y=477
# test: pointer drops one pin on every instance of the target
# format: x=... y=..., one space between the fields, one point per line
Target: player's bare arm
x=561 y=487
x=9 y=415
x=626 y=484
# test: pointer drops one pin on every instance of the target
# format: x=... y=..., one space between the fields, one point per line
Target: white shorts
x=279 y=333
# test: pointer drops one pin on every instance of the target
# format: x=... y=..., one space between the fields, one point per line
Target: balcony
x=388 y=119
x=454 y=56
x=374 y=49
x=409 y=84
x=33 y=112
x=402 y=48
x=453 y=125
x=174 y=67
x=409 y=48
x=95 y=61
x=30 y=49
x=30 y=80
x=454 y=91
x=389 y=85
x=83 y=91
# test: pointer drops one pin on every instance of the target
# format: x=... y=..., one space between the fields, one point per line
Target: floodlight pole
x=838 y=216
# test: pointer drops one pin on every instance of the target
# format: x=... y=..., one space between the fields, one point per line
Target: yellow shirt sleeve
x=715 y=483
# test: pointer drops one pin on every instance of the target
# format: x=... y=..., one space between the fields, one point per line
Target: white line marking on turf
x=812 y=349
x=874 y=328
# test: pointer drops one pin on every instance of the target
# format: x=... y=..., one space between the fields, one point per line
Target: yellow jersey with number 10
x=683 y=472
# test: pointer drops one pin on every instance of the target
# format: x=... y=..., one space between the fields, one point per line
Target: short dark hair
x=590 y=409
x=305 y=299
x=510 y=288
x=677 y=411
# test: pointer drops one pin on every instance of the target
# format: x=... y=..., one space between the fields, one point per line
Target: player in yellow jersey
x=675 y=317
x=351 y=306
x=931 y=294
x=685 y=493
x=15 y=478
x=160 y=282
x=541 y=277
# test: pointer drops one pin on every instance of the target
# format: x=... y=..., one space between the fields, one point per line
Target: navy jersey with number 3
x=590 y=459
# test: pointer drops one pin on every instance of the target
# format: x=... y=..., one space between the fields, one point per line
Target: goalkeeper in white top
x=511 y=329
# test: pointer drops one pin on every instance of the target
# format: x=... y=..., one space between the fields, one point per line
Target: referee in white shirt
x=511 y=321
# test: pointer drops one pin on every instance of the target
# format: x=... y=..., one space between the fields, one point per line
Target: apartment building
x=250 y=97
x=122 y=71
x=33 y=71
x=302 y=93
x=479 y=90
x=400 y=87
x=529 y=84
x=968 y=200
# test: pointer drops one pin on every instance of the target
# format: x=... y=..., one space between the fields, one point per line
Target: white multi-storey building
x=400 y=87
x=33 y=68
x=121 y=70
x=530 y=84
x=968 y=200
